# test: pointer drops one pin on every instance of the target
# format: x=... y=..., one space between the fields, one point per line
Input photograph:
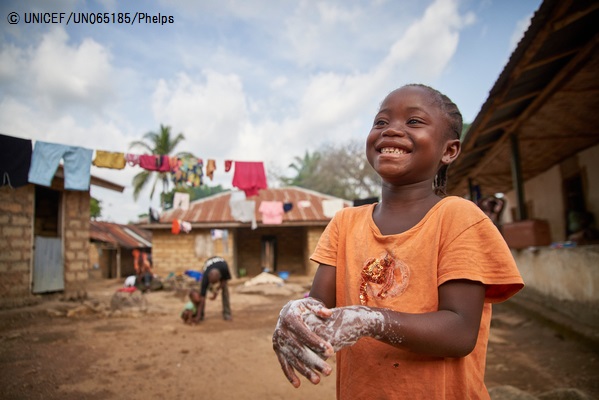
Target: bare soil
x=66 y=350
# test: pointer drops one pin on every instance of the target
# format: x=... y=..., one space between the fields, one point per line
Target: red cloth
x=176 y=227
x=130 y=289
x=249 y=176
x=153 y=162
x=228 y=164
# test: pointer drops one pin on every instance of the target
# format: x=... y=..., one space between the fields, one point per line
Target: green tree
x=340 y=170
x=156 y=143
x=95 y=208
x=465 y=128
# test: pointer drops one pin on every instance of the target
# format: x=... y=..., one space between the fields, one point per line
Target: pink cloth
x=249 y=176
x=152 y=162
x=272 y=212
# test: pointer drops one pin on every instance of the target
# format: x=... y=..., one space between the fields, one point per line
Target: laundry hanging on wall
x=249 y=176
x=15 y=161
x=46 y=159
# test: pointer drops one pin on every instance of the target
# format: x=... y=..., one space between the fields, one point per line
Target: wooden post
x=118 y=262
x=517 y=178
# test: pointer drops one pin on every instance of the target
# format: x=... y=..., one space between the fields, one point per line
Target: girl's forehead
x=409 y=96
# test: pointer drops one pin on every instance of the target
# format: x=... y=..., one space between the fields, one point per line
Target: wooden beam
x=565 y=73
x=562 y=23
x=518 y=99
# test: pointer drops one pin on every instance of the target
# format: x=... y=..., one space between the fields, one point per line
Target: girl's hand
x=346 y=325
x=297 y=347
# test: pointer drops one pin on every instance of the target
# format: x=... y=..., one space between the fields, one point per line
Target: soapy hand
x=297 y=347
x=346 y=325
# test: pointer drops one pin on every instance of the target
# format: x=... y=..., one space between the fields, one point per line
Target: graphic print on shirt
x=383 y=277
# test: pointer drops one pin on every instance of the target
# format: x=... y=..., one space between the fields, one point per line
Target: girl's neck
x=400 y=210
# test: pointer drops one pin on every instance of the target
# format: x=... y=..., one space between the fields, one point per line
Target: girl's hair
x=454 y=121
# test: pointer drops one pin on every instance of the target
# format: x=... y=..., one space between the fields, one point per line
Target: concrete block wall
x=76 y=244
x=173 y=253
x=16 y=236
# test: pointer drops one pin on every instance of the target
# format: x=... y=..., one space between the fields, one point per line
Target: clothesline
x=20 y=165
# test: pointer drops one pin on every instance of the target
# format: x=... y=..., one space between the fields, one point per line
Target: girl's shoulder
x=458 y=211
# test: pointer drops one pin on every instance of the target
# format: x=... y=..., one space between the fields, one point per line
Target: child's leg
x=226 y=303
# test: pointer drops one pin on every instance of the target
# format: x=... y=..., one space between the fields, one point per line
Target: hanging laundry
x=272 y=212
x=210 y=168
x=181 y=200
x=228 y=164
x=243 y=210
x=249 y=176
x=46 y=158
x=152 y=162
x=15 y=161
x=107 y=159
x=154 y=215
x=304 y=204
x=176 y=227
x=330 y=207
x=287 y=207
x=216 y=234
x=188 y=171
x=132 y=159
x=225 y=241
x=185 y=226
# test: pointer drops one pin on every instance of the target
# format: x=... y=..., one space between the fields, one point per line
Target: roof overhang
x=547 y=97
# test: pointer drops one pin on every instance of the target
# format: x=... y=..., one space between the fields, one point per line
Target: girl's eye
x=413 y=121
x=379 y=122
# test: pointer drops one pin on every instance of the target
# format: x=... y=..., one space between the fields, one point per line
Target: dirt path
x=45 y=354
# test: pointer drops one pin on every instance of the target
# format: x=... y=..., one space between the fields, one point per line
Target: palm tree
x=156 y=143
x=306 y=170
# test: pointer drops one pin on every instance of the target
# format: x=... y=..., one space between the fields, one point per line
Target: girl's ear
x=452 y=151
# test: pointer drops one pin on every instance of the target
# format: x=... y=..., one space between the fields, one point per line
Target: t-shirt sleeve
x=326 y=248
x=475 y=250
x=225 y=273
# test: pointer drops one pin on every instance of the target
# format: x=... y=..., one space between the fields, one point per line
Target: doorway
x=48 y=264
x=268 y=257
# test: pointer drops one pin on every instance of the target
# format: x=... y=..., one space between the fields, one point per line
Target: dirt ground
x=66 y=350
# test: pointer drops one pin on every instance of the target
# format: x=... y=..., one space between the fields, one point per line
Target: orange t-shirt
x=455 y=240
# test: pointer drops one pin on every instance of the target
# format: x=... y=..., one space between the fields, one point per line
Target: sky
x=244 y=80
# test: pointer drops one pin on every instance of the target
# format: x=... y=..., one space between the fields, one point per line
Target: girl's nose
x=394 y=130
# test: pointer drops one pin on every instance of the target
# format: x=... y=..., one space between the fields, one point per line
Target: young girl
x=404 y=287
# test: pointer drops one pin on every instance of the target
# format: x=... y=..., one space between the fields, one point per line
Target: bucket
x=284 y=275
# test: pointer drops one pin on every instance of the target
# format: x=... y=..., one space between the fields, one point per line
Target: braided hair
x=454 y=121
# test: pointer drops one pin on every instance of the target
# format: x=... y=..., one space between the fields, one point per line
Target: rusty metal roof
x=128 y=236
x=547 y=96
x=214 y=211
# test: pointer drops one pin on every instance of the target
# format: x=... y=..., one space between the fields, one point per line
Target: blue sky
x=248 y=80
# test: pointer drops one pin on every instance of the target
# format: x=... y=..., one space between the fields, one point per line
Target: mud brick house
x=278 y=247
x=44 y=241
x=536 y=142
x=112 y=245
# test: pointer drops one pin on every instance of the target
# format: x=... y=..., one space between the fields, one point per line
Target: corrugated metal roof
x=546 y=96
x=214 y=211
x=128 y=236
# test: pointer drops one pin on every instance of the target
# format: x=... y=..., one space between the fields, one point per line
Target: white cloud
x=69 y=75
x=209 y=110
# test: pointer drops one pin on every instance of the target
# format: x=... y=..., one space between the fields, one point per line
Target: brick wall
x=16 y=213
x=16 y=244
x=177 y=253
x=76 y=243
x=313 y=235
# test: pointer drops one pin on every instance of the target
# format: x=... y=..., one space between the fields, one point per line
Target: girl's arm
x=451 y=331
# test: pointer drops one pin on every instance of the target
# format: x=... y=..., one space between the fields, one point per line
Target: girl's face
x=408 y=142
